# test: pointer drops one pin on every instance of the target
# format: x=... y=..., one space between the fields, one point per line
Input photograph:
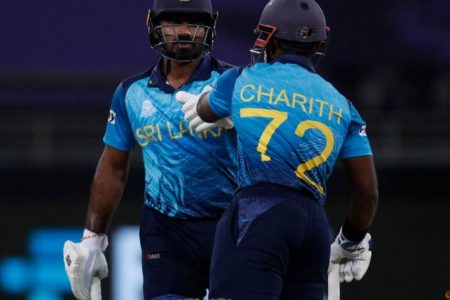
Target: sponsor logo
x=147 y=109
x=304 y=32
x=362 y=131
x=112 y=117
x=152 y=256
x=68 y=260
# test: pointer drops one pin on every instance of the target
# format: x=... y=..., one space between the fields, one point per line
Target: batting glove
x=86 y=265
x=189 y=108
x=353 y=258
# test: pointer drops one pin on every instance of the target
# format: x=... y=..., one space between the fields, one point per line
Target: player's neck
x=178 y=74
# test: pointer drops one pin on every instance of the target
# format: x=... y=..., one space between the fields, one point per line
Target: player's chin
x=184 y=54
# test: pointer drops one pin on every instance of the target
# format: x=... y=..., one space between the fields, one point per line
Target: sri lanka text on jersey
x=157 y=132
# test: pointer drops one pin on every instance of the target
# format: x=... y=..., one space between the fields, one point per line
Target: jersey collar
x=202 y=72
x=298 y=60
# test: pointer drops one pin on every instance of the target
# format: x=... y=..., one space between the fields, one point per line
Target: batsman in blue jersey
x=190 y=176
x=273 y=241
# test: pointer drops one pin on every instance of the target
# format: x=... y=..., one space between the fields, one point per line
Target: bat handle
x=334 y=291
x=96 y=289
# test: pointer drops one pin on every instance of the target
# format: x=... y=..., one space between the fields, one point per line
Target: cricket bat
x=96 y=289
x=333 y=283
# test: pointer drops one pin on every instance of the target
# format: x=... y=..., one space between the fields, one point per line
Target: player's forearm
x=363 y=208
x=364 y=196
x=204 y=110
x=107 y=189
x=106 y=193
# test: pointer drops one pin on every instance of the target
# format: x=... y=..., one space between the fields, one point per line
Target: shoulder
x=121 y=91
x=327 y=86
x=260 y=68
x=127 y=82
x=220 y=66
x=229 y=77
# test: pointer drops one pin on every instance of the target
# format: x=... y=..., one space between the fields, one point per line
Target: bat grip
x=334 y=283
x=96 y=289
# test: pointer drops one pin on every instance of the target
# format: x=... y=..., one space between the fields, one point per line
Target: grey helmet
x=297 y=21
x=173 y=9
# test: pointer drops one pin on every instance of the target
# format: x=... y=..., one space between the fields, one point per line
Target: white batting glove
x=353 y=258
x=86 y=265
x=189 y=108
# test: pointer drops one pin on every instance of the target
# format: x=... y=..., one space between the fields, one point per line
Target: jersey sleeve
x=118 y=130
x=220 y=97
x=356 y=142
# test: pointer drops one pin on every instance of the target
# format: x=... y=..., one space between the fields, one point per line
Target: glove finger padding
x=188 y=98
x=199 y=125
x=204 y=126
x=226 y=123
x=189 y=108
x=190 y=115
x=360 y=266
x=81 y=264
x=353 y=258
x=184 y=97
x=345 y=272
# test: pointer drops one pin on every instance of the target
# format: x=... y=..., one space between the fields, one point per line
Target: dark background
x=61 y=60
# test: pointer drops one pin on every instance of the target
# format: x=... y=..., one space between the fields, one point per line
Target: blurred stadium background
x=61 y=60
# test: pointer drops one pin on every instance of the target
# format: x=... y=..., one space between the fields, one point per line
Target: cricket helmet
x=301 y=22
x=205 y=21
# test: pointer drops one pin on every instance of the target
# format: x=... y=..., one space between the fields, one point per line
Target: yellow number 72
x=278 y=118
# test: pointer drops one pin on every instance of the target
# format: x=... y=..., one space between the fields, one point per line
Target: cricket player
x=273 y=241
x=190 y=176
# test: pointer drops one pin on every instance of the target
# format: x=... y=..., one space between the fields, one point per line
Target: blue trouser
x=283 y=248
x=175 y=255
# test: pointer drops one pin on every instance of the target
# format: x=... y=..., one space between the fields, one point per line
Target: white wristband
x=94 y=241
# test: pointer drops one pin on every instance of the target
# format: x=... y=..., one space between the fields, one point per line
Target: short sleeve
x=356 y=142
x=222 y=94
x=118 y=130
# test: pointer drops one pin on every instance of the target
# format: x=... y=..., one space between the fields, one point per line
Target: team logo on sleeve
x=112 y=117
x=148 y=109
x=362 y=131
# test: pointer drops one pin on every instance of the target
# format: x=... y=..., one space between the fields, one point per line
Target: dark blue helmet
x=202 y=23
x=182 y=6
x=301 y=22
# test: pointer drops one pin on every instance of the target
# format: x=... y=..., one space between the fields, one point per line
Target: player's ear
x=321 y=47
